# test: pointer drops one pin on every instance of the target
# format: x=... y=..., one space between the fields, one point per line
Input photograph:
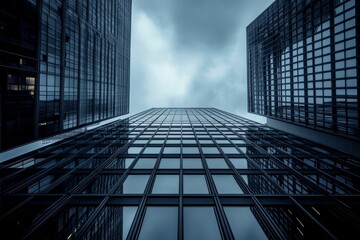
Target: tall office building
x=181 y=173
x=63 y=64
x=303 y=66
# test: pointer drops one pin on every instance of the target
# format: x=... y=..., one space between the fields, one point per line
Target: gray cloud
x=202 y=23
x=191 y=53
x=209 y=23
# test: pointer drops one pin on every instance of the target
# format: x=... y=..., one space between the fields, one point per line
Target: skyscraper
x=303 y=66
x=63 y=64
x=181 y=173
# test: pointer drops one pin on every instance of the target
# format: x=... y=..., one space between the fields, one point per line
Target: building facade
x=303 y=65
x=181 y=173
x=63 y=64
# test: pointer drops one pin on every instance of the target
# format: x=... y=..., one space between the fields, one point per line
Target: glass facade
x=64 y=64
x=303 y=64
x=181 y=173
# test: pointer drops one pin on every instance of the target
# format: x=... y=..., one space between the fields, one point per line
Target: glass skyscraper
x=181 y=173
x=303 y=66
x=63 y=64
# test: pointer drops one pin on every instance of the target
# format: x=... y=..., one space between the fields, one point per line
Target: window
x=134 y=150
x=210 y=150
x=243 y=224
x=200 y=223
x=239 y=163
x=166 y=184
x=226 y=184
x=192 y=163
x=171 y=150
x=195 y=184
x=190 y=150
x=128 y=218
x=230 y=150
x=135 y=184
x=216 y=163
x=160 y=223
x=145 y=163
x=170 y=163
x=152 y=150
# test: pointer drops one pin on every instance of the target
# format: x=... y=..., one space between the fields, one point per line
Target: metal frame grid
x=120 y=181
x=303 y=64
x=64 y=64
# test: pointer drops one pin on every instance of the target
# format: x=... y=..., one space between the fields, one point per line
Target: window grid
x=97 y=175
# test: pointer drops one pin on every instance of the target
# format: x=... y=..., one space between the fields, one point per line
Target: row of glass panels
x=192 y=184
x=198 y=223
x=187 y=163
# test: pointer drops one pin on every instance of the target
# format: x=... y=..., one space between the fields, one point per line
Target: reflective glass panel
x=170 y=163
x=243 y=223
x=166 y=184
x=200 y=223
x=160 y=223
x=226 y=184
x=152 y=150
x=190 y=150
x=171 y=150
x=230 y=150
x=239 y=163
x=128 y=218
x=210 y=150
x=135 y=184
x=145 y=163
x=195 y=184
x=192 y=163
x=134 y=150
x=216 y=163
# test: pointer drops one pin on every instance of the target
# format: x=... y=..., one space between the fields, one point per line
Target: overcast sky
x=191 y=53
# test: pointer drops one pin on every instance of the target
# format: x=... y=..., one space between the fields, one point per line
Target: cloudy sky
x=191 y=53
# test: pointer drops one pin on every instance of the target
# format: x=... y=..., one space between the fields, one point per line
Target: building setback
x=64 y=64
x=181 y=173
x=303 y=66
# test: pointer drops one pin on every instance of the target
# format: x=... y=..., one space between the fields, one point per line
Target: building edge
x=333 y=141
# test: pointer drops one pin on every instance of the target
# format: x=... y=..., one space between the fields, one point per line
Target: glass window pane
x=152 y=150
x=192 y=163
x=145 y=163
x=171 y=150
x=128 y=218
x=170 y=163
x=200 y=223
x=134 y=150
x=195 y=184
x=243 y=223
x=160 y=223
x=239 y=163
x=210 y=150
x=226 y=184
x=166 y=184
x=230 y=150
x=135 y=184
x=216 y=163
x=190 y=150
x=238 y=141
